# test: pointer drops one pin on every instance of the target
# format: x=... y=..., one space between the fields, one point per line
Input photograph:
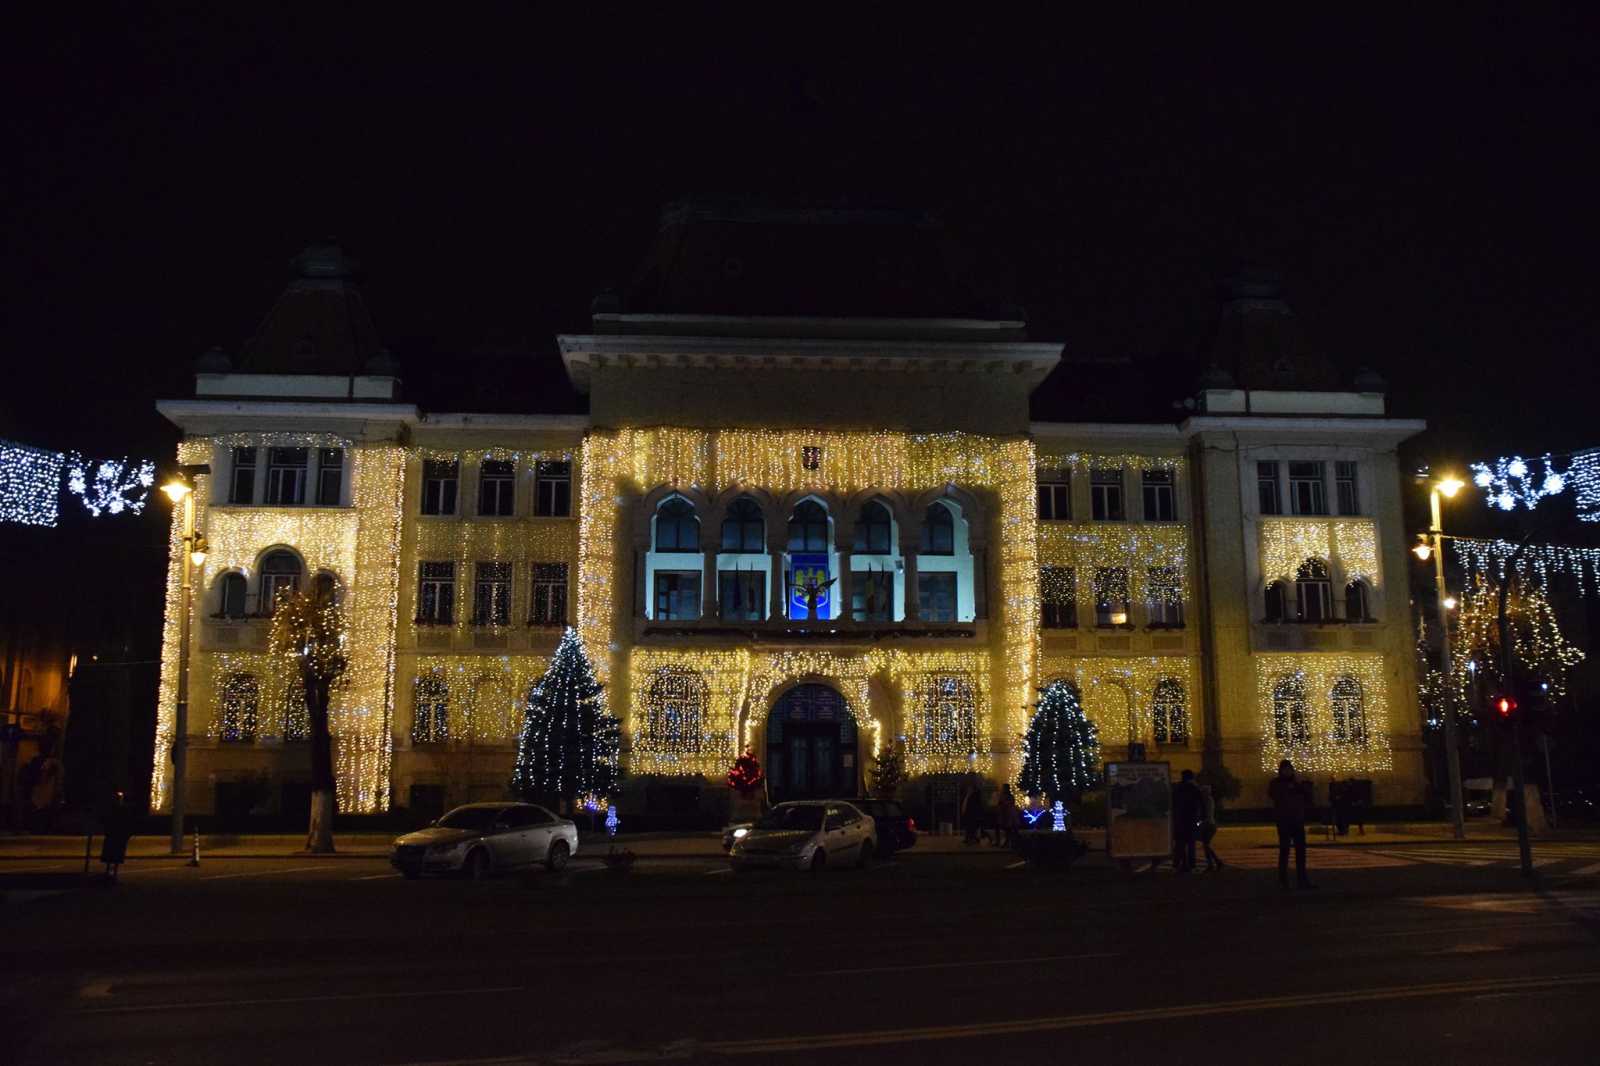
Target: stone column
x=779 y=594
x=710 y=593
x=908 y=551
x=843 y=588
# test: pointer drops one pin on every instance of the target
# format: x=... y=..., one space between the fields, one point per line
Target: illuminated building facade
x=805 y=536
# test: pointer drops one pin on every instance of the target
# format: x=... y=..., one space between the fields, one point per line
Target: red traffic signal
x=1505 y=706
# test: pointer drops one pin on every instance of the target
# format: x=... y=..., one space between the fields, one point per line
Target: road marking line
x=147 y=1008
x=374 y=877
x=1587 y=871
x=1480 y=928
x=953 y=965
x=1119 y=1017
x=724 y=870
x=36 y=869
x=264 y=873
x=1014 y=865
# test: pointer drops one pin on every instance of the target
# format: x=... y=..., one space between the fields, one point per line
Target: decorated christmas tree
x=746 y=775
x=888 y=772
x=1061 y=753
x=307 y=646
x=570 y=745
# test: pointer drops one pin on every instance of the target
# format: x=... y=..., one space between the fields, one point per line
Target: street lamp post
x=1446 y=488
x=181 y=491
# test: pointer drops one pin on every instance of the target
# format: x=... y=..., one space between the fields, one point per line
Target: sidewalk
x=708 y=844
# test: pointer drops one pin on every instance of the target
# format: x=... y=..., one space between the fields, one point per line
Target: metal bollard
x=194 y=859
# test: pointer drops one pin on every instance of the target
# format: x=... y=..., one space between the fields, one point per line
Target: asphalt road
x=1397 y=957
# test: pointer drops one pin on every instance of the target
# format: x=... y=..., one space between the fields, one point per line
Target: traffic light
x=1505 y=707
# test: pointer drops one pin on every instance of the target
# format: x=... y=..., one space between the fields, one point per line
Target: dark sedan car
x=897 y=830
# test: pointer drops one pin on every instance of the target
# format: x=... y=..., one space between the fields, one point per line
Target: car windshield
x=470 y=818
x=807 y=817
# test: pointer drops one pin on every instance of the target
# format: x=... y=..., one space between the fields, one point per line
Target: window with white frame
x=1170 y=712
x=232 y=591
x=242 y=489
x=949 y=725
x=675 y=710
x=677 y=527
x=872 y=595
x=436 y=594
x=1349 y=711
x=1307 y=491
x=1058 y=597
x=441 y=479
x=491 y=594
x=1269 y=497
x=1290 y=711
x=1160 y=496
x=286 y=477
x=744 y=529
x=280 y=576
x=741 y=595
x=1055 y=494
x=430 y=719
x=330 y=476
x=1275 y=602
x=1313 y=592
x=874 y=530
x=240 y=709
x=1105 y=495
x=936 y=596
x=497 y=488
x=1164 y=596
x=552 y=488
x=1111 y=602
x=549 y=607
x=677 y=594
x=1357 y=606
x=1344 y=484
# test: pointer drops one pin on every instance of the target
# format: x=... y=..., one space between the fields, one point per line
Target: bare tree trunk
x=319 y=837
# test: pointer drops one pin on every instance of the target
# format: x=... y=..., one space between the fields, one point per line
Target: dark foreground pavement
x=933 y=958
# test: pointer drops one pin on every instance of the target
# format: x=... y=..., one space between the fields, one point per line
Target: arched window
x=430 y=720
x=677 y=528
x=280 y=576
x=808 y=528
x=938 y=531
x=675 y=710
x=1289 y=711
x=744 y=529
x=1357 y=607
x=231 y=595
x=240 y=698
x=1313 y=593
x=1349 y=711
x=1170 y=713
x=296 y=719
x=1276 y=602
x=875 y=530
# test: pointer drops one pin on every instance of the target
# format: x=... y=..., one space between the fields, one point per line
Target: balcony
x=818 y=631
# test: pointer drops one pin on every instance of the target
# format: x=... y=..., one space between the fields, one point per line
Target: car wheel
x=819 y=860
x=557 y=857
x=864 y=859
x=476 y=868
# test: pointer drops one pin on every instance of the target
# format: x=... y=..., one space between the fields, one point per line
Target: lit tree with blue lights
x=1061 y=753
x=570 y=745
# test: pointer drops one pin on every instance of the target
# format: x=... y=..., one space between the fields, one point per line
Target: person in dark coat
x=1291 y=802
x=1208 y=828
x=972 y=811
x=118 y=827
x=1006 y=818
x=1187 y=803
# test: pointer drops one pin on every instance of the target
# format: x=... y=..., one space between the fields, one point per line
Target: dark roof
x=319 y=325
x=739 y=258
x=1261 y=345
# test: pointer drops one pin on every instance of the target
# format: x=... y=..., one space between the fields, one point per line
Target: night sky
x=1426 y=190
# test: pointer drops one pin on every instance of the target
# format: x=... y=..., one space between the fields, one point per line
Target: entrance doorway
x=811 y=745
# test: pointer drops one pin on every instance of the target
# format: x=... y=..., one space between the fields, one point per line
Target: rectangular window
x=1111 y=596
x=1164 y=596
x=1160 y=499
x=811 y=456
x=243 y=489
x=936 y=596
x=741 y=595
x=436 y=594
x=677 y=595
x=1344 y=480
x=1105 y=492
x=491 y=595
x=549 y=606
x=1271 y=499
x=497 y=484
x=286 y=477
x=1055 y=495
x=440 y=477
x=330 y=476
x=1307 y=494
x=872 y=595
x=1058 y=597
x=553 y=490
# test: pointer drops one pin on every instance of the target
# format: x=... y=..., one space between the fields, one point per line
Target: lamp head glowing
x=1449 y=486
x=1450 y=603
x=176 y=490
x=1422 y=549
x=198 y=549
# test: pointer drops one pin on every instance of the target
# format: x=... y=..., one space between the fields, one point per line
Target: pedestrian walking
x=972 y=812
x=1007 y=817
x=118 y=827
x=1186 y=810
x=1291 y=801
x=1208 y=828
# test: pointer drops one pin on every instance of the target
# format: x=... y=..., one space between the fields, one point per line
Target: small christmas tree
x=888 y=772
x=746 y=775
x=570 y=744
x=1061 y=753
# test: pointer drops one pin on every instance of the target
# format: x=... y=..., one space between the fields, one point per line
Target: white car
x=483 y=839
x=807 y=835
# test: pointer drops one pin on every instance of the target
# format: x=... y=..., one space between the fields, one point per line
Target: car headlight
x=445 y=849
x=741 y=832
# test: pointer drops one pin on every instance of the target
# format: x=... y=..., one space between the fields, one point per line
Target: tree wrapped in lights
x=1061 y=752
x=746 y=775
x=307 y=641
x=570 y=744
x=1539 y=652
x=888 y=772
